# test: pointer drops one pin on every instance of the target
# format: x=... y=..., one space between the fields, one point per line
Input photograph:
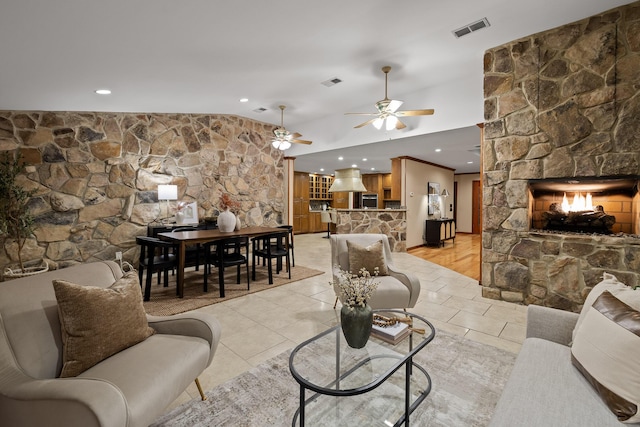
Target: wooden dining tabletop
x=191 y=237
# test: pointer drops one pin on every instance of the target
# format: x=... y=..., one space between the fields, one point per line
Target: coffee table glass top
x=366 y=386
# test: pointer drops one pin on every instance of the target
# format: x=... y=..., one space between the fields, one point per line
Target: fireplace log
x=557 y=219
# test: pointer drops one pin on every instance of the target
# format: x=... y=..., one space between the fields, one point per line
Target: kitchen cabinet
x=319 y=187
x=300 y=202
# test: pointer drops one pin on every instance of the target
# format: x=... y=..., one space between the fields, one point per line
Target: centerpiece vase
x=356 y=323
x=226 y=221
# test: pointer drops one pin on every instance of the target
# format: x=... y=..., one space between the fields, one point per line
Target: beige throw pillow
x=609 y=283
x=605 y=350
x=368 y=257
x=97 y=322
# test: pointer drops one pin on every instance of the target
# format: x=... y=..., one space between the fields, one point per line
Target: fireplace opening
x=601 y=206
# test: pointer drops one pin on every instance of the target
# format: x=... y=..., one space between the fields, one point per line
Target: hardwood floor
x=462 y=256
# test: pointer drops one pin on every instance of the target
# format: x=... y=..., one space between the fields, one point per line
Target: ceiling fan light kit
x=388 y=110
x=284 y=138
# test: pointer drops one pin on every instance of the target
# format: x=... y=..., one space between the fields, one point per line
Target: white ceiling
x=201 y=56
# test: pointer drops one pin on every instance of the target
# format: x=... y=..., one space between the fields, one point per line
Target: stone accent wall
x=96 y=176
x=562 y=103
x=391 y=222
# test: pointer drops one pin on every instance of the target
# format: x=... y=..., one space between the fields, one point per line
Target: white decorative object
x=238 y=223
x=226 y=221
x=188 y=214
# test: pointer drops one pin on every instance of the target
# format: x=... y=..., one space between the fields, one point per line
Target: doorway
x=476 y=207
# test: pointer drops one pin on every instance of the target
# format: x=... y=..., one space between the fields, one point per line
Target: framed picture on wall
x=433 y=194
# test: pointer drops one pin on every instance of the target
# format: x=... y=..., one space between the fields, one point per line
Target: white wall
x=417 y=176
x=464 y=222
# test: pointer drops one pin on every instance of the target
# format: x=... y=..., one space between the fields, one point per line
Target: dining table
x=184 y=238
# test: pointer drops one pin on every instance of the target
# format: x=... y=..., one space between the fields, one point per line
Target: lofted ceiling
x=198 y=56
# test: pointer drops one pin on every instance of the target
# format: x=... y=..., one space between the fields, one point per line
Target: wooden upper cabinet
x=370 y=182
x=319 y=187
x=396 y=179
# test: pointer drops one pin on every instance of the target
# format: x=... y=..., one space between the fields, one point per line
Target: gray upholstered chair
x=397 y=290
x=130 y=388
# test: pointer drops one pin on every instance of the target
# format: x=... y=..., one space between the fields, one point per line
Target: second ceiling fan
x=388 y=113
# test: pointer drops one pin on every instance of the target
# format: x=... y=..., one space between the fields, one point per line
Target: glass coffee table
x=364 y=386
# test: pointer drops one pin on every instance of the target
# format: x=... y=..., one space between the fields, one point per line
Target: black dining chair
x=155 y=256
x=289 y=228
x=268 y=247
x=230 y=252
x=194 y=255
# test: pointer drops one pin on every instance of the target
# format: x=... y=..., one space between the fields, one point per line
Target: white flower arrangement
x=356 y=289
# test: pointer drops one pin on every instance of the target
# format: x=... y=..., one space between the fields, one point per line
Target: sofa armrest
x=78 y=402
x=408 y=279
x=550 y=324
x=193 y=324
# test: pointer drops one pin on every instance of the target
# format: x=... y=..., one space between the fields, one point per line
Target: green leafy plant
x=16 y=222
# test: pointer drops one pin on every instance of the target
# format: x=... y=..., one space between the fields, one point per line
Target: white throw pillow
x=605 y=350
x=609 y=283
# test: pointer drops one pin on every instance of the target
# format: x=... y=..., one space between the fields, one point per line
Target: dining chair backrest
x=270 y=246
x=155 y=256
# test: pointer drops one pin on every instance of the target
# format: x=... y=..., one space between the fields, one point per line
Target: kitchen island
x=392 y=222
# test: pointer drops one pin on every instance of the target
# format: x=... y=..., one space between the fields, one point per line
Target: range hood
x=347 y=180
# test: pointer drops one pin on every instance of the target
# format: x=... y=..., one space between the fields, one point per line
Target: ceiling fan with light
x=388 y=113
x=284 y=138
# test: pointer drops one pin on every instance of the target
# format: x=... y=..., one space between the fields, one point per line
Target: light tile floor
x=259 y=326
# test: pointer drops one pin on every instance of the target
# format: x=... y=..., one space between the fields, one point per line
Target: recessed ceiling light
x=321 y=169
x=373 y=169
x=244 y=99
x=340 y=158
x=364 y=160
x=469 y=163
x=438 y=150
x=354 y=165
x=103 y=92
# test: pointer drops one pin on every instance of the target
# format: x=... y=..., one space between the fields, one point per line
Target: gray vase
x=356 y=324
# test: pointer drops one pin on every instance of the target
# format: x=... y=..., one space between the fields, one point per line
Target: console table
x=439 y=230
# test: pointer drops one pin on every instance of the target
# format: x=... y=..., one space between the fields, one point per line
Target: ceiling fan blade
x=394 y=105
x=406 y=113
x=365 y=123
x=364 y=114
x=400 y=125
x=296 y=135
x=301 y=141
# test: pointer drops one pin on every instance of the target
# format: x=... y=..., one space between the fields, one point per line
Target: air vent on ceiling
x=331 y=82
x=260 y=110
x=468 y=29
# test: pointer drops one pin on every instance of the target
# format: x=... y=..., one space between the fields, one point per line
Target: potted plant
x=16 y=222
x=356 y=316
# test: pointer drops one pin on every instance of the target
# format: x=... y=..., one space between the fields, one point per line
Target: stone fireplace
x=561 y=107
x=602 y=206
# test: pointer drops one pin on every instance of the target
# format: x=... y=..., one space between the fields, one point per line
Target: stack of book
x=392 y=334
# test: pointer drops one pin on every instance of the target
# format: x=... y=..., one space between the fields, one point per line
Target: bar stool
x=325 y=216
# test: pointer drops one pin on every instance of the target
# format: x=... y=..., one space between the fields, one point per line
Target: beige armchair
x=397 y=290
x=130 y=388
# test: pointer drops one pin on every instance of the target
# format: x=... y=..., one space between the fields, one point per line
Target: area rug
x=468 y=378
x=164 y=302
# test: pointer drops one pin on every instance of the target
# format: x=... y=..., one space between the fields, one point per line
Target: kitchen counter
x=372 y=210
x=370 y=220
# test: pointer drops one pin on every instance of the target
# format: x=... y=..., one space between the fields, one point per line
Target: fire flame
x=580 y=203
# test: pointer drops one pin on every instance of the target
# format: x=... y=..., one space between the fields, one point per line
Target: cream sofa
x=131 y=388
x=545 y=389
